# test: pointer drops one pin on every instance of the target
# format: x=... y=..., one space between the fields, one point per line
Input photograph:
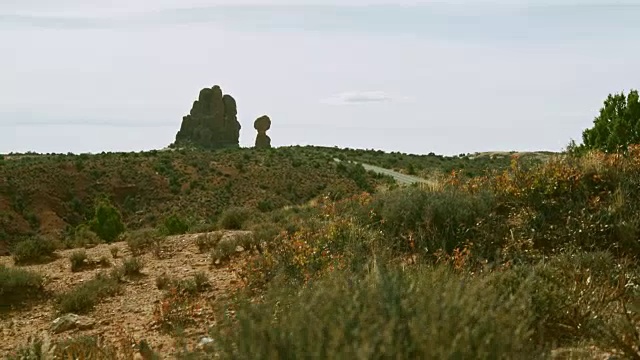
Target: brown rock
x=262 y=125
x=212 y=122
x=71 y=321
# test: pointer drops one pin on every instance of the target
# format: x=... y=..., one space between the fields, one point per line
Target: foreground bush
x=429 y=314
x=17 y=285
x=580 y=297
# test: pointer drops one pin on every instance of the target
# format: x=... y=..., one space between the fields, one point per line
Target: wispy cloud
x=488 y=21
x=362 y=97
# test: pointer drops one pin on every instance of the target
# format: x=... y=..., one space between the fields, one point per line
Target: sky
x=448 y=77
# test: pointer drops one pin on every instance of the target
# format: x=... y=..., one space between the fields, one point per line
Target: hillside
x=53 y=194
x=530 y=263
x=433 y=165
x=134 y=312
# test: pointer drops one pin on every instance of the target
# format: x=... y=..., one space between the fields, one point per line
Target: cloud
x=362 y=97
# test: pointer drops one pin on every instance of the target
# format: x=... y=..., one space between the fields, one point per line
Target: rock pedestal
x=262 y=124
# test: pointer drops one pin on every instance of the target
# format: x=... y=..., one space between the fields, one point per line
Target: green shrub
x=174 y=225
x=83 y=236
x=107 y=222
x=33 y=250
x=143 y=240
x=104 y=261
x=429 y=314
x=265 y=232
x=234 y=218
x=573 y=297
x=84 y=297
x=163 y=281
x=206 y=242
x=224 y=249
x=436 y=219
x=18 y=285
x=132 y=266
x=77 y=259
x=204 y=228
x=615 y=128
x=201 y=280
x=114 y=251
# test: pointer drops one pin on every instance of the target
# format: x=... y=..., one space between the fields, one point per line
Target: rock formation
x=262 y=124
x=212 y=122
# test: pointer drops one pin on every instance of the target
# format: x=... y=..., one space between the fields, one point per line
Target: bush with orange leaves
x=589 y=202
x=326 y=240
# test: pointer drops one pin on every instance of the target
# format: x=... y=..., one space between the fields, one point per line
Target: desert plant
x=431 y=313
x=223 y=251
x=77 y=259
x=18 y=285
x=114 y=251
x=132 y=266
x=104 y=261
x=428 y=221
x=33 y=250
x=174 y=225
x=107 y=222
x=206 y=242
x=143 y=240
x=201 y=280
x=163 y=281
x=83 y=298
x=83 y=236
x=234 y=218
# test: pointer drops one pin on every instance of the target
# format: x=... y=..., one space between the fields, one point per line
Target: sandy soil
x=132 y=312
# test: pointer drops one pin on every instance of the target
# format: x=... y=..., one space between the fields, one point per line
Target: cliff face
x=212 y=122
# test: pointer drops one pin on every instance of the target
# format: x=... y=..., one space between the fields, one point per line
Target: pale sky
x=419 y=76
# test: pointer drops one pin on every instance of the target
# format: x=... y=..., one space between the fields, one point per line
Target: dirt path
x=133 y=310
x=397 y=176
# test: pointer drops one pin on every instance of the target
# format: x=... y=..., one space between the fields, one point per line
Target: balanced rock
x=212 y=122
x=262 y=124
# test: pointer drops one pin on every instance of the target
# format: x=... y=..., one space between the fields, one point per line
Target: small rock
x=64 y=323
x=71 y=321
x=239 y=249
x=86 y=324
x=206 y=343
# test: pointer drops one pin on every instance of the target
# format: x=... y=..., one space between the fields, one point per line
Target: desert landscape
x=216 y=251
x=349 y=180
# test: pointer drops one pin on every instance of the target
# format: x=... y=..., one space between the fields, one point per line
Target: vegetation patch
x=33 y=250
x=143 y=240
x=18 y=286
x=84 y=297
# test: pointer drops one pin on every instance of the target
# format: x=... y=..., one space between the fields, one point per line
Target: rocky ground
x=130 y=314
